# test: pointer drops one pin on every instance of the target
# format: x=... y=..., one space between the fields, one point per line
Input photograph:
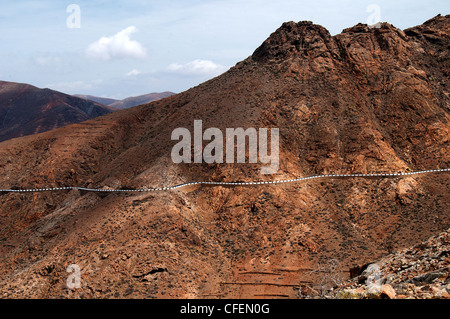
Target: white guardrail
x=375 y=175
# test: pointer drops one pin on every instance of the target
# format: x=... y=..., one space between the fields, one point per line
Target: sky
x=127 y=48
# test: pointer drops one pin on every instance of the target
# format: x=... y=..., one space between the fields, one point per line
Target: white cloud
x=198 y=67
x=133 y=72
x=117 y=46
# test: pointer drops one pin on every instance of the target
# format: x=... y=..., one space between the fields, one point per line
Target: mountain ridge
x=27 y=110
x=364 y=101
x=129 y=101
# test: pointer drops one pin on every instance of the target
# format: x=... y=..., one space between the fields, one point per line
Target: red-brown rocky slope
x=368 y=100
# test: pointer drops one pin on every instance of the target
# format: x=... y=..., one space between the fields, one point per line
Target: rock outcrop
x=418 y=272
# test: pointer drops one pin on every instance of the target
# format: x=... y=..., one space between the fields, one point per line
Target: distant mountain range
x=101 y=100
x=128 y=102
x=26 y=110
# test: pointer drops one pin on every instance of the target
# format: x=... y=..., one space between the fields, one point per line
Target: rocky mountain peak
x=293 y=39
x=355 y=46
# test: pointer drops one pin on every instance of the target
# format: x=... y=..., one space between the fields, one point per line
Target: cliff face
x=368 y=100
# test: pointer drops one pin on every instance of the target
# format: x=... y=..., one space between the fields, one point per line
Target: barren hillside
x=368 y=100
